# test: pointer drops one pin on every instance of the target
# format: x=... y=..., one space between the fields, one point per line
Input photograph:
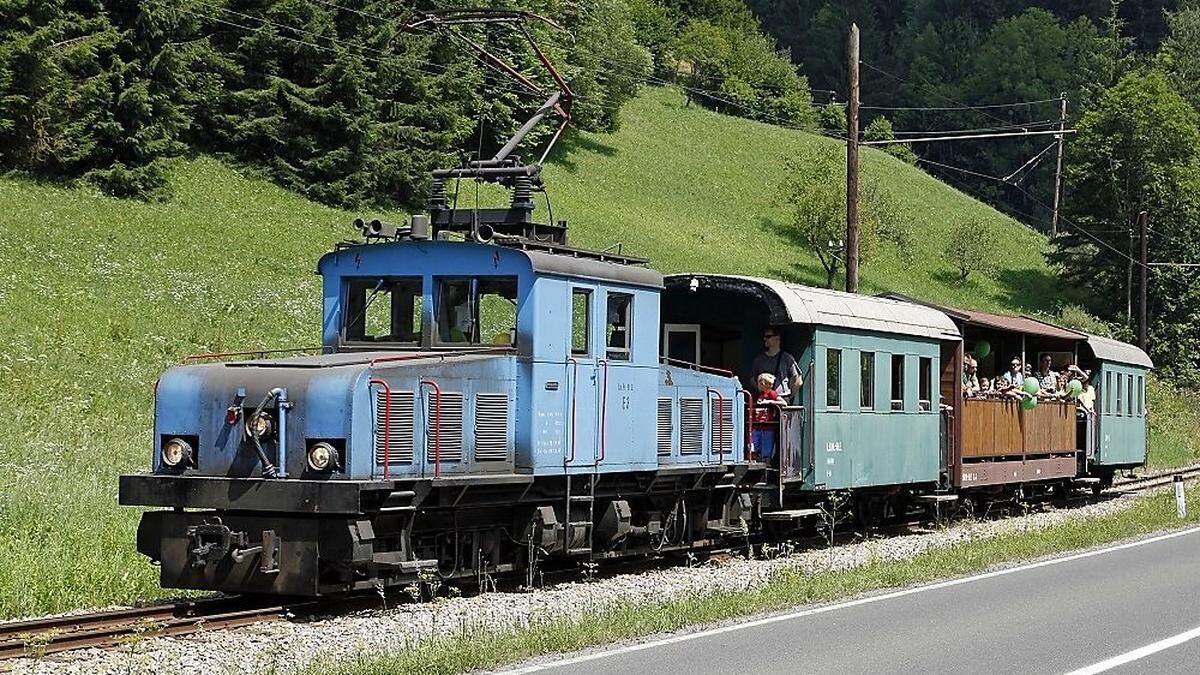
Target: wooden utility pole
x=852 y=162
x=1129 y=282
x=1062 y=125
x=1143 y=219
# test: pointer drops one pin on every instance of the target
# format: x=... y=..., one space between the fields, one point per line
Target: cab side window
x=618 y=330
x=497 y=311
x=581 y=321
x=386 y=309
x=480 y=310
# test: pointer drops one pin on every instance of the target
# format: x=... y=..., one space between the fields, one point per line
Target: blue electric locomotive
x=478 y=404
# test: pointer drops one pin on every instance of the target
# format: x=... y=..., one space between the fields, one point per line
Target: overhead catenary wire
x=491 y=81
x=982 y=109
x=1033 y=162
x=606 y=59
x=982 y=106
x=961 y=186
x=1006 y=127
x=1078 y=228
x=1001 y=134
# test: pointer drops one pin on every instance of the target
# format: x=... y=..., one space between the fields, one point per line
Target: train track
x=1153 y=480
x=110 y=628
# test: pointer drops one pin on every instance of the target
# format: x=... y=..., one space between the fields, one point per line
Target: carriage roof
x=793 y=303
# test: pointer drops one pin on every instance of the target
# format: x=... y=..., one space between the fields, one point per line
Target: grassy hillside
x=100 y=295
x=696 y=191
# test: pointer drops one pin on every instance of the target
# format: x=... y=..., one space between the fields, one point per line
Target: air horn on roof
x=376 y=229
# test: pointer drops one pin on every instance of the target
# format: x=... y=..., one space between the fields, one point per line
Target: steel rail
x=1159 y=479
x=38 y=637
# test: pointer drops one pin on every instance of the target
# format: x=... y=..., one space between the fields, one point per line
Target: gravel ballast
x=287 y=647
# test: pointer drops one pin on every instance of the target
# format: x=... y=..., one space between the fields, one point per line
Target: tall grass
x=1174 y=434
x=98 y=297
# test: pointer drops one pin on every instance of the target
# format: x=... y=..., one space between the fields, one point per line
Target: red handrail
x=748 y=421
x=603 y=409
x=720 y=422
x=387 y=421
x=437 y=427
x=574 y=387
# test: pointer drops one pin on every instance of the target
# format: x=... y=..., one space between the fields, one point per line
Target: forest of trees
x=334 y=99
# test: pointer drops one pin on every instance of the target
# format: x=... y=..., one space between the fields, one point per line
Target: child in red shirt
x=765 y=428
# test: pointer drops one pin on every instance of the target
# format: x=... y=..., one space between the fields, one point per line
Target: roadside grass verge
x=475 y=648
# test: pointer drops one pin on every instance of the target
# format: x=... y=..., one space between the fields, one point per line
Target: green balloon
x=1028 y=403
x=1074 y=388
x=1031 y=385
x=982 y=349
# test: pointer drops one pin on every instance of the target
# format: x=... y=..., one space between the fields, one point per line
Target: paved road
x=1128 y=609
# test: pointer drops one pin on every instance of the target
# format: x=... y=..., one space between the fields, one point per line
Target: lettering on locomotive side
x=549 y=433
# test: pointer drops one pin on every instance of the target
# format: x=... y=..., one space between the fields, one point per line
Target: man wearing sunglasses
x=777 y=362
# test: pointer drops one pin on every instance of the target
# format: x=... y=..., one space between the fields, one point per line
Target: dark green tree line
x=336 y=100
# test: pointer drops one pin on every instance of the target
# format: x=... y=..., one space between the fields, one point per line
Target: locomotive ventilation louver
x=399 y=426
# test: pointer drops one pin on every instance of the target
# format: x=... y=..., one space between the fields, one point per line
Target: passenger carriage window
x=925 y=398
x=386 y=309
x=477 y=311
x=1141 y=390
x=618 y=326
x=897 y=382
x=1108 y=393
x=866 y=387
x=1129 y=396
x=1117 y=389
x=581 y=324
x=833 y=378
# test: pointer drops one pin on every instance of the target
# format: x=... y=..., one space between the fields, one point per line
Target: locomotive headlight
x=176 y=452
x=259 y=427
x=321 y=456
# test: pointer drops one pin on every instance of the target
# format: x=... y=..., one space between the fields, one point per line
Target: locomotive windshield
x=476 y=310
x=384 y=309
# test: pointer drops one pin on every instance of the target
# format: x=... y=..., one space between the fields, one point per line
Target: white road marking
x=533 y=668
x=1139 y=653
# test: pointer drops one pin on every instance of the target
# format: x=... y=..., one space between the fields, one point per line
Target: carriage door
x=681 y=342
